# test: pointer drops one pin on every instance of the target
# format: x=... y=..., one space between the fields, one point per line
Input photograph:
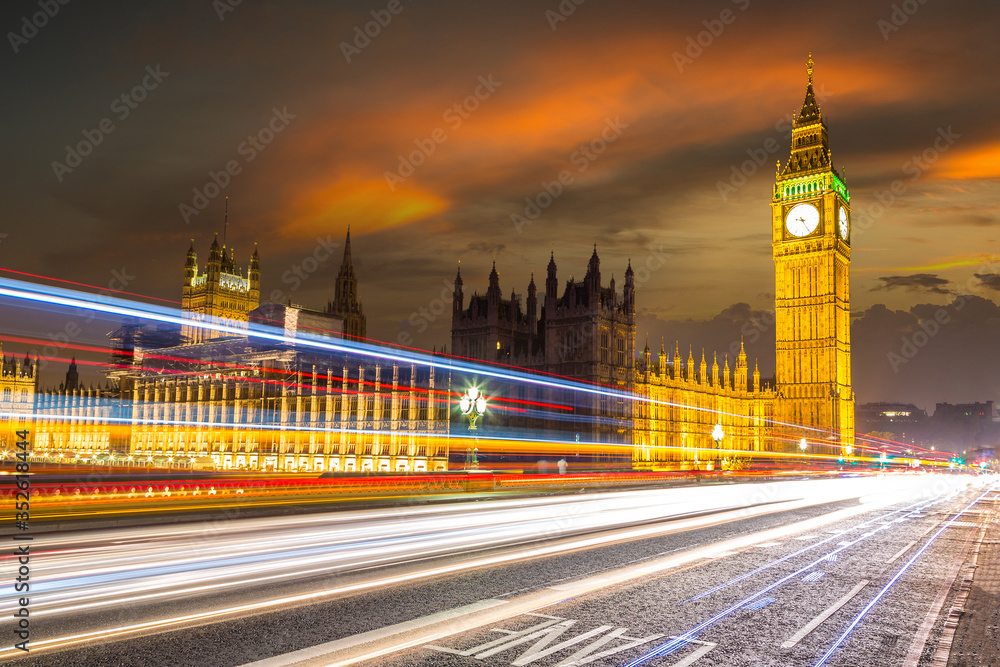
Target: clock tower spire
x=810 y=233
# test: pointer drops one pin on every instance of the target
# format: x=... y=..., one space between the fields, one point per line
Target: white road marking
x=373 y=635
x=901 y=552
x=767 y=545
x=827 y=613
x=691 y=659
x=550 y=596
x=806 y=537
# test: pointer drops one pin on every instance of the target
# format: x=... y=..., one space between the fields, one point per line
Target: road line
x=827 y=613
x=693 y=658
x=901 y=552
x=373 y=635
x=531 y=602
x=930 y=620
x=885 y=589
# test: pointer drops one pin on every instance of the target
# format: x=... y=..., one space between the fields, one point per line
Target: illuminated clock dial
x=802 y=220
x=845 y=229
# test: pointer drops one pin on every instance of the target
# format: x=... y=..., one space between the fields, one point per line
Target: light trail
x=885 y=589
x=683 y=639
x=81 y=574
x=53 y=296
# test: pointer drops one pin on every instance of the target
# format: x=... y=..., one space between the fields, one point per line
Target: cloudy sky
x=434 y=139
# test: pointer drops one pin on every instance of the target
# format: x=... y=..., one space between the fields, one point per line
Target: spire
x=810 y=112
x=347 y=247
x=225 y=222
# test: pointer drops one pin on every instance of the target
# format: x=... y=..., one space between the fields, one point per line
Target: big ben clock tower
x=810 y=231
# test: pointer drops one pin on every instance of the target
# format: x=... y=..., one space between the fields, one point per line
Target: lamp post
x=718 y=435
x=473 y=406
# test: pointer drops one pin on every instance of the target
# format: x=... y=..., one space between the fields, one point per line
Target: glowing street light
x=473 y=406
x=803 y=444
x=717 y=436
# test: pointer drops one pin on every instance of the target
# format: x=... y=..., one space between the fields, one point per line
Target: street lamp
x=718 y=435
x=802 y=445
x=473 y=406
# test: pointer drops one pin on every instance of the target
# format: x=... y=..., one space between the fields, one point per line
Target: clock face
x=802 y=220
x=845 y=229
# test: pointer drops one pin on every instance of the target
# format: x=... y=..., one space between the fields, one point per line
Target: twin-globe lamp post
x=718 y=435
x=473 y=406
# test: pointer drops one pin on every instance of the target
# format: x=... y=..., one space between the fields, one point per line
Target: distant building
x=587 y=332
x=221 y=294
x=244 y=401
x=345 y=303
x=905 y=421
x=18 y=387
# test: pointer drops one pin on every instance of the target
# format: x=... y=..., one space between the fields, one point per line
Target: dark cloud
x=929 y=353
x=989 y=280
x=920 y=282
x=486 y=248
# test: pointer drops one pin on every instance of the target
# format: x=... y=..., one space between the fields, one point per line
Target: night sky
x=488 y=103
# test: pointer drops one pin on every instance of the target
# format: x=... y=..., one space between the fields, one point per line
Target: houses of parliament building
x=587 y=331
x=235 y=401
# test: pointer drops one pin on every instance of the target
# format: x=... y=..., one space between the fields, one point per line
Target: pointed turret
x=689 y=369
x=741 y=369
x=551 y=283
x=190 y=266
x=703 y=369
x=458 y=296
x=629 y=301
x=72 y=376
x=345 y=303
x=662 y=359
x=727 y=378
x=756 y=377
x=810 y=141
x=593 y=277
x=532 y=305
x=714 y=381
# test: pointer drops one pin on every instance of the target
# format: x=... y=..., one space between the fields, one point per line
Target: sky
x=472 y=132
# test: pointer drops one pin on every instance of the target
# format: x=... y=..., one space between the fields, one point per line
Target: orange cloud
x=366 y=203
x=976 y=164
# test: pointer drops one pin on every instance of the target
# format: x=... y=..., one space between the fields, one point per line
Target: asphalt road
x=550 y=578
